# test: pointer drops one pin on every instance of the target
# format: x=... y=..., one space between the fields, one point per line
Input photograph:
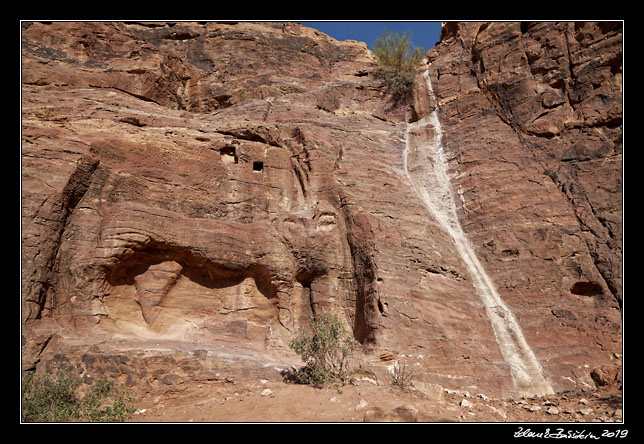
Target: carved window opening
x=258 y=166
x=229 y=155
x=586 y=289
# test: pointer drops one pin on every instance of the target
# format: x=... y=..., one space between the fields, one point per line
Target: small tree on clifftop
x=398 y=61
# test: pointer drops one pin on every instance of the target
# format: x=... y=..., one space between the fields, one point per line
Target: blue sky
x=423 y=33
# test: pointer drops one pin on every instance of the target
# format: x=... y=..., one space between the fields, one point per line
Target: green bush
x=398 y=61
x=325 y=349
x=57 y=399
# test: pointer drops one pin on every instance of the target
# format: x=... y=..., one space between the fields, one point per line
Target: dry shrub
x=398 y=61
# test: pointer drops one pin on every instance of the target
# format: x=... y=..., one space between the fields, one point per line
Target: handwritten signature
x=561 y=433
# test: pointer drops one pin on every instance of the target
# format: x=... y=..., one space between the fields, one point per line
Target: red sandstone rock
x=192 y=193
x=532 y=123
x=606 y=375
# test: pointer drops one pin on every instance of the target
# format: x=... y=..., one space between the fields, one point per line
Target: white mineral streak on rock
x=426 y=168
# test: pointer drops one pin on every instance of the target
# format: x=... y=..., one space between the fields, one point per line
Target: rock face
x=531 y=116
x=193 y=192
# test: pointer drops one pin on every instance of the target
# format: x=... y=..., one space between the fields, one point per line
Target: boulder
x=607 y=375
x=403 y=413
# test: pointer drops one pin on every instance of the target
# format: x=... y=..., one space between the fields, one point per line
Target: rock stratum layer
x=192 y=193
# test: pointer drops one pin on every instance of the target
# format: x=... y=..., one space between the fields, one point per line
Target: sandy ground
x=264 y=401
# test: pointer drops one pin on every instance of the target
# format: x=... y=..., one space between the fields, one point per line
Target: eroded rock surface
x=193 y=192
x=531 y=116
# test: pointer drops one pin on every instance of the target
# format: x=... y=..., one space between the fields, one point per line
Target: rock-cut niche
x=173 y=294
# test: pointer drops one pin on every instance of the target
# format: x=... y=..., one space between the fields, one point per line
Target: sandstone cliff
x=193 y=192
